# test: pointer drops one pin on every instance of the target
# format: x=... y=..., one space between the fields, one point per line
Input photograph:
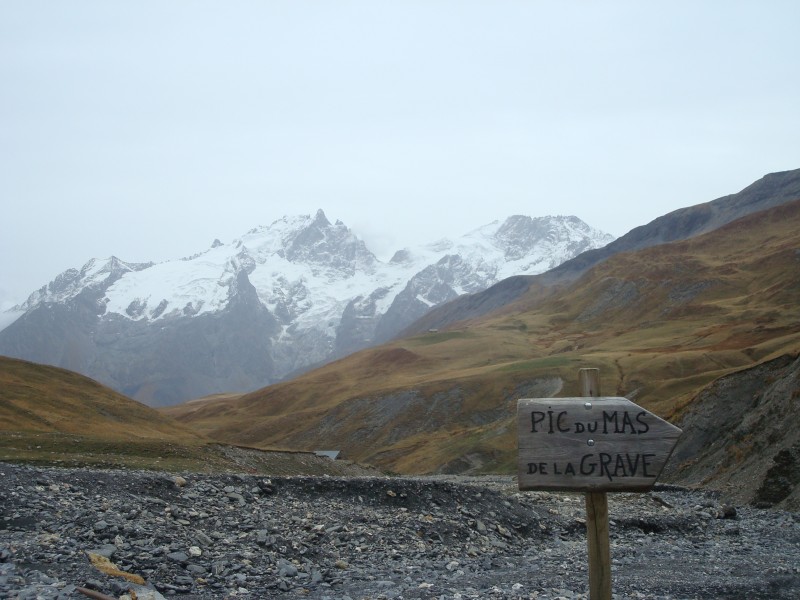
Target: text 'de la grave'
x=590 y=444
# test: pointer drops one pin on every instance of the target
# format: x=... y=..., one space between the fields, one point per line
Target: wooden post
x=596 y=514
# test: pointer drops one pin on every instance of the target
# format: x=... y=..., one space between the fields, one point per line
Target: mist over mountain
x=276 y=301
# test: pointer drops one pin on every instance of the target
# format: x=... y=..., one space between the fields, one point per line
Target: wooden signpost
x=595 y=445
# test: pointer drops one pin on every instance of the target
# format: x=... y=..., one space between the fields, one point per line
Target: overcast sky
x=147 y=129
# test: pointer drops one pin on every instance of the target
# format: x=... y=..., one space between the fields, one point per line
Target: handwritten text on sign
x=590 y=444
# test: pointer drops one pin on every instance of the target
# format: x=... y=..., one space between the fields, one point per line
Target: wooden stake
x=596 y=514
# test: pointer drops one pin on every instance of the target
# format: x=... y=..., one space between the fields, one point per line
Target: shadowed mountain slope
x=661 y=323
x=769 y=191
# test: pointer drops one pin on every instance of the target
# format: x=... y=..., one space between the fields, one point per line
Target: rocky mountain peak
x=521 y=229
x=319 y=242
x=321 y=220
x=96 y=274
x=519 y=235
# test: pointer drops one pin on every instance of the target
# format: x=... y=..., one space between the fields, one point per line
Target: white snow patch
x=425 y=300
x=311 y=291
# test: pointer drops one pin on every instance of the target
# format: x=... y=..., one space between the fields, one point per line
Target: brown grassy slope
x=660 y=323
x=51 y=415
x=42 y=398
x=54 y=416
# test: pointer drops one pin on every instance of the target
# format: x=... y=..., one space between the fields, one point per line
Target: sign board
x=591 y=445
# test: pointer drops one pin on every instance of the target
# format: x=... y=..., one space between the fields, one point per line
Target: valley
x=51 y=416
x=702 y=329
x=660 y=324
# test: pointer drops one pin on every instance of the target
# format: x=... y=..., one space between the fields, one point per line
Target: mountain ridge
x=296 y=293
x=771 y=190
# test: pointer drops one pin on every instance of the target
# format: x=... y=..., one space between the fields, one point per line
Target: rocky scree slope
x=379 y=538
x=274 y=302
x=741 y=437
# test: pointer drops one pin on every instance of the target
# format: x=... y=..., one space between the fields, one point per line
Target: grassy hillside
x=51 y=414
x=54 y=416
x=40 y=398
x=660 y=323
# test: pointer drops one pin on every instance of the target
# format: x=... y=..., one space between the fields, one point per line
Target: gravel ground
x=226 y=536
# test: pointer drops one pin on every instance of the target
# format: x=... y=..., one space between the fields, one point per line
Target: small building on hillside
x=332 y=454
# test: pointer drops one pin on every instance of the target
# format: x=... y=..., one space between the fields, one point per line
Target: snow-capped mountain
x=276 y=301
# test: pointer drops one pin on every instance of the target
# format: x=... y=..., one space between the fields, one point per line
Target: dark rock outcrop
x=741 y=436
